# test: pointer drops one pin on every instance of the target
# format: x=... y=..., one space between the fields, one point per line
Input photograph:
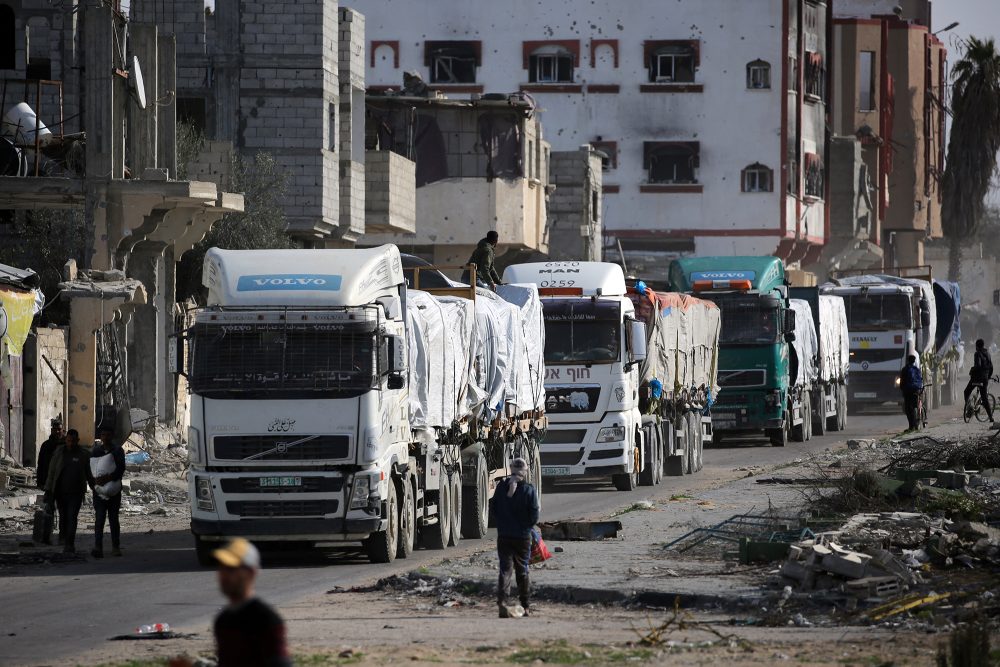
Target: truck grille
x=269 y=508
x=562 y=458
x=747 y=378
x=729 y=401
x=309 y=485
x=240 y=447
x=565 y=436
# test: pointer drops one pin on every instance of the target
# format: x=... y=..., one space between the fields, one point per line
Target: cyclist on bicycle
x=979 y=378
x=911 y=383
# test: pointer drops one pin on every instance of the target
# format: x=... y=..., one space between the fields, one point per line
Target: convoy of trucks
x=329 y=404
x=338 y=399
x=756 y=377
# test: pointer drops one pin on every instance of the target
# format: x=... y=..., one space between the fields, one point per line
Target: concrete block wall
x=46 y=362
x=214 y=163
x=351 y=123
x=578 y=181
x=390 y=193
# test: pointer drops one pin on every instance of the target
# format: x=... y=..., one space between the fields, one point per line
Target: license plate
x=551 y=471
x=270 y=482
x=865 y=394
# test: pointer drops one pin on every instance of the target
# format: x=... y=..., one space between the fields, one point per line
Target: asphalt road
x=50 y=613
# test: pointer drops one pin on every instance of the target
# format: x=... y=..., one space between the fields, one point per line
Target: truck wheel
x=536 y=470
x=437 y=535
x=456 y=509
x=628 y=481
x=821 y=423
x=648 y=475
x=475 y=502
x=658 y=465
x=699 y=449
x=844 y=412
x=779 y=436
x=382 y=546
x=407 y=520
x=203 y=551
x=807 y=416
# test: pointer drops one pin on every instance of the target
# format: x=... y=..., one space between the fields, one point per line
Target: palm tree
x=972 y=146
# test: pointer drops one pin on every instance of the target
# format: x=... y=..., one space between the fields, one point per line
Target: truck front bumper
x=873 y=387
x=572 y=450
x=287 y=530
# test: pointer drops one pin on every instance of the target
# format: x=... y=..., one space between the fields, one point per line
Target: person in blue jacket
x=911 y=383
x=515 y=509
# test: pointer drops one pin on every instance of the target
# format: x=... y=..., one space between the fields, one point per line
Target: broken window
x=37 y=51
x=814 y=175
x=672 y=63
x=758 y=75
x=758 y=178
x=671 y=162
x=609 y=157
x=500 y=138
x=815 y=76
x=8 y=45
x=192 y=111
x=453 y=62
x=550 y=64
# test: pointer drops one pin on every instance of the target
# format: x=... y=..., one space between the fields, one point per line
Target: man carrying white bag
x=107 y=467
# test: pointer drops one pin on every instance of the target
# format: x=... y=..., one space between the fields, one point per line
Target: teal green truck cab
x=755 y=355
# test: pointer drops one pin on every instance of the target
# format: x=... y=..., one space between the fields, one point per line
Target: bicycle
x=974 y=406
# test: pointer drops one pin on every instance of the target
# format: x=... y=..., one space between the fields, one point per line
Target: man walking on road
x=66 y=482
x=108 y=506
x=483 y=257
x=45 y=453
x=515 y=507
x=979 y=378
x=911 y=383
x=248 y=632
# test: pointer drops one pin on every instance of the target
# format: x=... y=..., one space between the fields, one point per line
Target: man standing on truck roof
x=483 y=257
x=515 y=506
x=911 y=383
x=979 y=378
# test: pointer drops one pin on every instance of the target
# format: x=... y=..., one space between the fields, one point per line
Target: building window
x=758 y=75
x=866 y=81
x=815 y=76
x=192 y=111
x=672 y=63
x=609 y=160
x=8 y=45
x=814 y=176
x=793 y=73
x=671 y=162
x=758 y=178
x=453 y=62
x=550 y=64
x=793 y=177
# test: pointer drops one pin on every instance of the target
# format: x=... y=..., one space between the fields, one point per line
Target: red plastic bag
x=539 y=552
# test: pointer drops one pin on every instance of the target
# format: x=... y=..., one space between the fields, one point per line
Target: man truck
x=757 y=386
x=331 y=405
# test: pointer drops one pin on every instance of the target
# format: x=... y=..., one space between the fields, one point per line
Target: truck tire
x=800 y=431
x=475 y=502
x=688 y=444
x=844 y=412
x=699 y=450
x=535 y=461
x=407 y=519
x=382 y=546
x=203 y=551
x=456 y=509
x=821 y=423
x=438 y=534
x=807 y=416
x=627 y=481
x=658 y=467
x=778 y=436
x=648 y=475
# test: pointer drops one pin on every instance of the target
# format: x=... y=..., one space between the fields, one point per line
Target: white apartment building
x=711 y=112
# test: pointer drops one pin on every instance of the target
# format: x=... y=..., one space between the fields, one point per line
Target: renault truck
x=330 y=405
x=757 y=391
x=594 y=345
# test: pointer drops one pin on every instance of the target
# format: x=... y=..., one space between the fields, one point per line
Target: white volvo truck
x=593 y=348
x=331 y=406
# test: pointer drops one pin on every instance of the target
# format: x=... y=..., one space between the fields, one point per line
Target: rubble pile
x=446 y=592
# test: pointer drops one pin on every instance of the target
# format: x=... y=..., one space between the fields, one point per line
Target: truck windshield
x=878 y=312
x=242 y=360
x=582 y=331
x=747 y=321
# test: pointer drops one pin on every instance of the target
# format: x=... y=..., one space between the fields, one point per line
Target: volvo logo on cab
x=289 y=282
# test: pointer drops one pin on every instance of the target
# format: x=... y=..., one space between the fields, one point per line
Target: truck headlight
x=194 y=445
x=897 y=381
x=772 y=398
x=362 y=489
x=203 y=493
x=611 y=434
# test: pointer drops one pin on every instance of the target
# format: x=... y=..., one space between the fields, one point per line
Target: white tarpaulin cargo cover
x=834 y=339
x=531 y=370
x=805 y=344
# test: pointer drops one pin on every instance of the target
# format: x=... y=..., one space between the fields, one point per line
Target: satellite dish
x=135 y=82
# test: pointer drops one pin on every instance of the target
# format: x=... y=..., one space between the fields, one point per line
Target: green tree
x=261 y=225
x=972 y=145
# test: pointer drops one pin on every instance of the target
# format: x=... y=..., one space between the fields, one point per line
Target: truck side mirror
x=175 y=354
x=395 y=382
x=397 y=356
x=637 y=333
x=790 y=324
